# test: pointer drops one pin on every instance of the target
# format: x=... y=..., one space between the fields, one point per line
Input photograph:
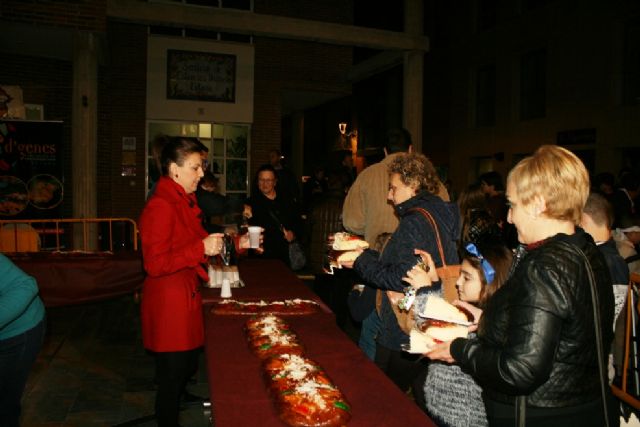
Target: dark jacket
x=271 y=214
x=536 y=336
x=385 y=271
x=211 y=204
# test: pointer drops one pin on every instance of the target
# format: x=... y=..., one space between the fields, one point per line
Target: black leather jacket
x=536 y=335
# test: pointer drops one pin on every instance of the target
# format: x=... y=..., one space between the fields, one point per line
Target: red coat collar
x=172 y=191
x=185 y=203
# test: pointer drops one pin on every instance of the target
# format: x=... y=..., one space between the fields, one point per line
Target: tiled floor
x=93 y=371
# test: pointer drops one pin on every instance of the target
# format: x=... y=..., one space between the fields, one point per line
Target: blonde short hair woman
x=536 y=336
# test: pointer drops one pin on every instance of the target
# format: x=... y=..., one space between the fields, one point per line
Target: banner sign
x=31 y=175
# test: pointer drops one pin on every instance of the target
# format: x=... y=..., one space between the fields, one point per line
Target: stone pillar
x=84 y=137
x=413 y=85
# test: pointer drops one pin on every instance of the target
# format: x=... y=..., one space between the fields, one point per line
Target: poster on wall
x=31 y=180
x=201 y=76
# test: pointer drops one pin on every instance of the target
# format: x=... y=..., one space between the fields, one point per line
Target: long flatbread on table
x=295 y=306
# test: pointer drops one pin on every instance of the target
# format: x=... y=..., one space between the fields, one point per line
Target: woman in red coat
x=175 y=248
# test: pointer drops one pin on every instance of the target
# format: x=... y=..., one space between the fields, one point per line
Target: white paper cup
x=225 y=290
x=254 y=237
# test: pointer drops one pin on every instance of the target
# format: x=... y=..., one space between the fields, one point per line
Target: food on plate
x=349 y=256
x=343 y=248
x=443 y=322
x=303 y=393
x=443 y=331
x=348 y=242
x=419 y=342
x=294 y=306
x=422 y=340
x=439 y=309
x=269 y=335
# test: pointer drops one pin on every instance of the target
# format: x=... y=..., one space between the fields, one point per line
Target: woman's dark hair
x=208 y=179
x=492 y=178
x=500 y=258
x=398 y=140
x=472 y=201
x=266 y=167
x=176 y=151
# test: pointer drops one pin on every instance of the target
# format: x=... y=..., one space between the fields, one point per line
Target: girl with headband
x=452 y=397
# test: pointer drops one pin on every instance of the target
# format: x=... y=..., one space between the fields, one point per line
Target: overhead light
x=342 y=127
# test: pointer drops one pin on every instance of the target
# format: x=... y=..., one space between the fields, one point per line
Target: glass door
x=228 y=158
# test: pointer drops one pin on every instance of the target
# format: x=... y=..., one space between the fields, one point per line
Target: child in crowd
x=452 y=397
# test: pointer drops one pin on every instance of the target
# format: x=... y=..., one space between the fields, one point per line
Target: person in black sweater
x=278 y=213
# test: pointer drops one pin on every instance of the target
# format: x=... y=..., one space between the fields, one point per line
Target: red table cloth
x=238 y=394
x=266 y=279
x=75 y=278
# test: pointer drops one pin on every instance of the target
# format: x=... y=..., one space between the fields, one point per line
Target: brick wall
x=280 y=65
x=125 y=108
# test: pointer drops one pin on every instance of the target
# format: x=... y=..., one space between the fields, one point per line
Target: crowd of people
x=544 y=266
x=540 y=270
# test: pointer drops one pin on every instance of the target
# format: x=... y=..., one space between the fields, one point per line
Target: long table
x=76 y=278
x=238 y=394
x=264 y=278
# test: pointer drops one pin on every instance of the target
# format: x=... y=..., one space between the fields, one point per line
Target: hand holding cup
x=246 y=241
x=213 y=244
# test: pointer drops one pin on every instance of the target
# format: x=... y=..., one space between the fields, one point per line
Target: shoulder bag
x=297 y=258
x=448 y=275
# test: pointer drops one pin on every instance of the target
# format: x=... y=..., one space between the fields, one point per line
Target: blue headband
x=489 y=272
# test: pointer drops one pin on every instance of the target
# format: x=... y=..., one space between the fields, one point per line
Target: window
x=631 y=65
x=486 y=96
x=533 y=84
x=228 y=156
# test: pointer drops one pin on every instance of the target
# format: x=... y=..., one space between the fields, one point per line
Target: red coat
x=171 y=232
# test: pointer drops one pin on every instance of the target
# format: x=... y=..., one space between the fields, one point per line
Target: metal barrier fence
x=86 y=234
x=628 y=390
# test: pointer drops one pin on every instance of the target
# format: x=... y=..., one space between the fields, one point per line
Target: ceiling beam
x=250 y=23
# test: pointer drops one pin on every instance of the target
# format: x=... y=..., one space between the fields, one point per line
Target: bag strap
x=274 y=217
x=598 y=332
x=521 y=411
x=432 y=221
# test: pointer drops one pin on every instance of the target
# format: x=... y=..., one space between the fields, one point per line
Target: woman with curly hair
x=413 y=185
